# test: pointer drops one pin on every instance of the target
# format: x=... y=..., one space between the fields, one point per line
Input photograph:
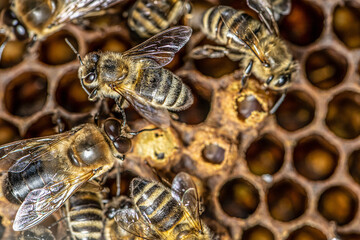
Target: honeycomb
x=293 y=175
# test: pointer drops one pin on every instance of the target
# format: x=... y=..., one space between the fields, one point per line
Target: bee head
x=113 y=129
x=282 y=79
x=12 y=22
x=88 y=75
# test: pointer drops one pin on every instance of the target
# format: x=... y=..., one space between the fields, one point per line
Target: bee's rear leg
x=208 y=51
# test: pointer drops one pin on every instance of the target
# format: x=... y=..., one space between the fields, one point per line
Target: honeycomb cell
x=343 y=113
x=55 y=51
x=265 y=155
x=213 y=153
x=26 y=94
x=71 y=96
x=304 y=24
x=346 y=24
x=239 y=198
x=339 y=204
x=12 y=54
x=198 y=111
x=296 y=112
x=248 y=105
x=308 y=233
x=9 y=132
x=326 y=68
x=258 y=232
x=286 y=200
x=315 y=158
x=45 y=126
x=354 y=165
x=112 y=43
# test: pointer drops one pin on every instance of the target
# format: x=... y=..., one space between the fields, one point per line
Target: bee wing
x=184 y=190
x=42 y=202
x=242 y=32
x=18 y=155
x=161 y=48
x=158 y=116
x=74 y=9
x=270 y=13
x=131 y=222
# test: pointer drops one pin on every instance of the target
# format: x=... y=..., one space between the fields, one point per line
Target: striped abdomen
x=17 y=185
x=213 y=25
x=155 y=202
x=85 y=215
x=147 y=18
x=162 y=88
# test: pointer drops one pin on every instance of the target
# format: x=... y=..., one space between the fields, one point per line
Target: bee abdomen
x=17 y=185
x=162 y=88
x=86 y=216
x=157 y=204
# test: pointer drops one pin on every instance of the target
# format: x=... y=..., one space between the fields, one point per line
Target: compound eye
x=122 y=145
x=283 y=80
x=112 y=128
x=90 y=78
x=10 y=18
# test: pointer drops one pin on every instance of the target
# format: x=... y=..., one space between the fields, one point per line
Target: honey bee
x=84 y=212
x=42 y=173
x=257 y=46
x=149 y=17
x=161 y=213
x=37 y=233
x=137 y=76
x=33 y=20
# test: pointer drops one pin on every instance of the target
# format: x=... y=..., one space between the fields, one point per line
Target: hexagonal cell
x=343 y=113
x=326 y=68
x=198 y=111
x=55 y=51
x=112 y=43
x=45 y=126
x=26 y=94
x=346 y=24
x=315 y=158
x=239 y=198
x=308 y=233
x=70 y=95
x=9 y=132
x=354 y=165
x=339 y=204
x=304 y=24
x=213 y=153
x=215 y=67
x=296 y=112
x=286 y=200
x=265 y=155
x=12 y=54
x=258 y=232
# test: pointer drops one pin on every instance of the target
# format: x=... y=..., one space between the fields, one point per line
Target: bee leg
x=119 y=103
x=246 y=74
x=60 y=125
x=118 y=178
x=278 y=103
x=208 y=51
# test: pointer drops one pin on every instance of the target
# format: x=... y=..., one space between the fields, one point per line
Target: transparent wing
x=158 y=116
x=161 y=48
x=131 y=222
x=73 y=9
x=41 y=203
x=266 y=13
x=241 y=31
x=18 y=155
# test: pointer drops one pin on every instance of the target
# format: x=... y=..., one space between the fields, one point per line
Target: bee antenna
x=74 y=50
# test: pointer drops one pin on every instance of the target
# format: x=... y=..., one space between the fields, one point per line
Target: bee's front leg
x=246 y=74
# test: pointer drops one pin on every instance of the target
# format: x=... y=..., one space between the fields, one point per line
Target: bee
x=42 y=173
x=112 y=230
x=37 y=233
x=84 y=212
x=137 y=76
x=149 y=17
x=33 y=20
x=256 y=45
x=163 y=213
